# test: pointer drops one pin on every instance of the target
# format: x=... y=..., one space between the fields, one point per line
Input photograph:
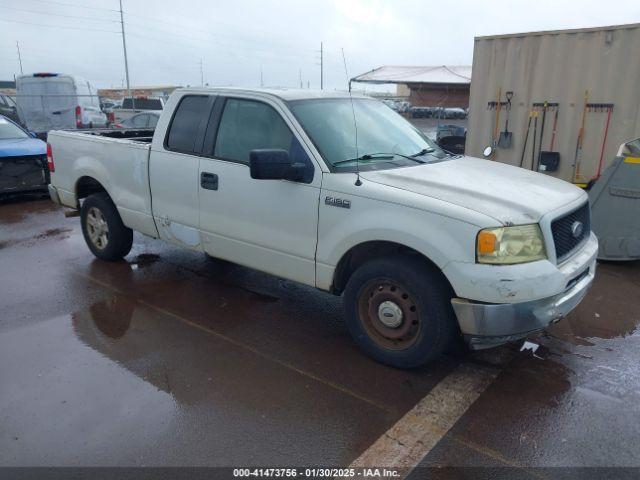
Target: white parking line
x=407 y=442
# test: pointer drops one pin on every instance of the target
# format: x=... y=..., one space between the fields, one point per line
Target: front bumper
x=484 y=325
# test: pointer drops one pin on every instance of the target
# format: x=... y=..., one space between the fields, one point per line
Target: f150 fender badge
x=337 y=202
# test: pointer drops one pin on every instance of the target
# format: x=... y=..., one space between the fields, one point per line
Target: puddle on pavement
x=589 y=323
x=65 y=394
x=112 y=316
x=611 y=309
x=144 y=260
x=17 y=209
x=58 y=233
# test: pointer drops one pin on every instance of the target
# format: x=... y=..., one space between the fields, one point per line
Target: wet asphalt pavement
x=172 y=358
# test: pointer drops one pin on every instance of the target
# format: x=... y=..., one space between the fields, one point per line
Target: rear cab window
x=185 y=133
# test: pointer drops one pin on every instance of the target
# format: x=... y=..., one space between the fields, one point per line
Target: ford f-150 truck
x=343 y=194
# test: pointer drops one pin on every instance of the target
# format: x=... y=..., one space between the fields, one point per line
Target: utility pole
x=321 y=68
x=300 y=71
x=19 y=57
x=261 y=81
x=124 y=47
x=201 y=72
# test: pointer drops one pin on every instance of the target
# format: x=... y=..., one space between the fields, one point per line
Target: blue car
x=23 y=160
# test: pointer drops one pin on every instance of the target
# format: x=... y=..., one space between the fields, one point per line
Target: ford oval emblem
x=576 y=229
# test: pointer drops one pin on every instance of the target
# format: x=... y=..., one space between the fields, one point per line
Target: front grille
x=564 y=231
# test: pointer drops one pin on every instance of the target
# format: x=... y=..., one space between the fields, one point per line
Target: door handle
x=209 y=181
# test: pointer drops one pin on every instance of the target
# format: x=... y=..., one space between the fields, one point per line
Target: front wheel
x=106 y=236
x=398 y=310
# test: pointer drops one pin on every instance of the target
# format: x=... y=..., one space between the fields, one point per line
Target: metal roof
x=282 y=93
x=558 y=32
x=443 y=74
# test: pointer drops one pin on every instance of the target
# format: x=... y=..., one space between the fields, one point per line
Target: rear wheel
x=106 y=236
x=399 y=311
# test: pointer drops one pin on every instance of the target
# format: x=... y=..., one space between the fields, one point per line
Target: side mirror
x=274 y=164
x=487 y=151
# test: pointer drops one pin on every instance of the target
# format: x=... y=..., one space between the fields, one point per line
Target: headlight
x=509 y=245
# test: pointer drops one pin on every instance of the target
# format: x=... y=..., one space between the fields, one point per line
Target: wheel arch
x=87 y=185
x=363 y=252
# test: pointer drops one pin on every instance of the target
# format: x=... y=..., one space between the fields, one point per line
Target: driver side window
x=247 y=125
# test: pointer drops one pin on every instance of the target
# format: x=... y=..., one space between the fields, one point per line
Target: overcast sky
x=237 y=39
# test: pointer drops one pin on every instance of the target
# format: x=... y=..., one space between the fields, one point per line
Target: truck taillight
x=50 y=164
x=79 y=116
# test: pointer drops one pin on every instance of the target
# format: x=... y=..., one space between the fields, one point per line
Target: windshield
x=9 y=130
x=385 y=139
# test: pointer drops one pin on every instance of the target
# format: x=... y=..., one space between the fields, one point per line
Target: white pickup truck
x=425 y=246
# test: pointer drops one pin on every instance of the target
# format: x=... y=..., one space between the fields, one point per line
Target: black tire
x=118 y=240
x=428 y=302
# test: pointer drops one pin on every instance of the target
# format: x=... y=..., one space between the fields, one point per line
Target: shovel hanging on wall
x=549 y=160
x=505 y=137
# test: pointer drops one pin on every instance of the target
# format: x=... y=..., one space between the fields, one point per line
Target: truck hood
x=509 y=194
x=20 y=147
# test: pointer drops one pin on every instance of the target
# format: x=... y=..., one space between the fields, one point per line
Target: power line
x=275 y=58
x=233 y=44
x=223 y=46
x=75 y=5
x=58 y=14
x=58 y=26
x=188 y=27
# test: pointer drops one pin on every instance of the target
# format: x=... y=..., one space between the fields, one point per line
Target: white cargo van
x=58 y=101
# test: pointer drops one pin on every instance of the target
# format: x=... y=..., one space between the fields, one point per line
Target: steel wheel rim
x=97 y=228
x=389 y=314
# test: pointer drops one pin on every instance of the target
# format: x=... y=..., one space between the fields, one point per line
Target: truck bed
x=144 y=135
x=118 y=160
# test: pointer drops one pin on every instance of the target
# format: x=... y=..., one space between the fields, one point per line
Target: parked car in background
x=404 y=107
x=422 y=112
x=392 y=104
x=132 y=106
x=451 y=138
x=453 y=113
x=9 y=108
x=58 y=101
x=108 y=104
x=140 y=120
x=23 y=160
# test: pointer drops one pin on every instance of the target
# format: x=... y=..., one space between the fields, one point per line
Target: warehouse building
x=589 y=79
x=444 y=86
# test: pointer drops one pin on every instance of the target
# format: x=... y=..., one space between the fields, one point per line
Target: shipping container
x=558 y=67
